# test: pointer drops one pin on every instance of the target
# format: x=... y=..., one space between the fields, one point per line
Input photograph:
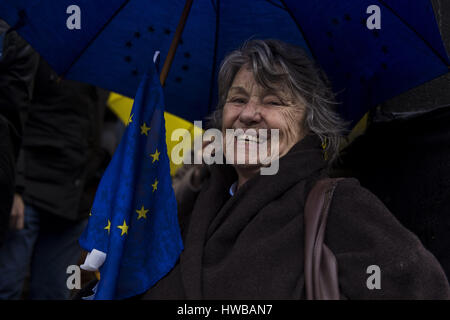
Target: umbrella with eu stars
x=111 y=49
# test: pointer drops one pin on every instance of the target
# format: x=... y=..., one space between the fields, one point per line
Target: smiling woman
x=250 y=107
x=282 y=75
x=244 y=233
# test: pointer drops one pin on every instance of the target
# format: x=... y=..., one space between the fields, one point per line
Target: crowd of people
x=57 y=139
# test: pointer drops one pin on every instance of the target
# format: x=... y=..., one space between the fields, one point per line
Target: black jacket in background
x=18 y=63
x=61 y=147
x=405 y=161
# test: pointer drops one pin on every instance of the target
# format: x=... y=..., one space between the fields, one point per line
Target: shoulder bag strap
x=321 y=270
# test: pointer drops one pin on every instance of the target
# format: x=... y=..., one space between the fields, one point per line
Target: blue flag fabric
x=134 y=215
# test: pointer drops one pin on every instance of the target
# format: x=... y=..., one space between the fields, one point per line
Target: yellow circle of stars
x=142 y=213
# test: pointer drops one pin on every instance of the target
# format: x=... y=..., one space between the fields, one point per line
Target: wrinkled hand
x=16 y=220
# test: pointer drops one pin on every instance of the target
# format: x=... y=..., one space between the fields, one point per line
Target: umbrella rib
x=276 y=5
x=443 y=59
x=301 y=30
x=95 y=37
x=214 y=5
x=176 y=39
x=214 y=60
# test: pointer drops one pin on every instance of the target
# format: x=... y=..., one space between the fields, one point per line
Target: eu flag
x=134 y=215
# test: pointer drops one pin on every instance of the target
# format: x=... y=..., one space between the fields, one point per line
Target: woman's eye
x=237 y=100
x=274 y=103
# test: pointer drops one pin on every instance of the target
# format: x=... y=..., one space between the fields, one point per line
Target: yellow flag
x=121 y=106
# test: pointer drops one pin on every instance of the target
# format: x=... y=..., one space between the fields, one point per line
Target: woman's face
x=250 y=106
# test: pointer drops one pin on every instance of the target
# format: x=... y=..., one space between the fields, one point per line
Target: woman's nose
x=250 y=113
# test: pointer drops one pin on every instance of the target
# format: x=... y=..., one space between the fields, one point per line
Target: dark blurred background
x=402 y=154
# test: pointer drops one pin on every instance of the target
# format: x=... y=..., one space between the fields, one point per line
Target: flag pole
x=175 y=41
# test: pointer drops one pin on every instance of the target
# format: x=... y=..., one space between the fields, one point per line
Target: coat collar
x=214 y=204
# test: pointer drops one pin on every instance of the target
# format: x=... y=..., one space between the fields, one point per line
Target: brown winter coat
x=250 y=246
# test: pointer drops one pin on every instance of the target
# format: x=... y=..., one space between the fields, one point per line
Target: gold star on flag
x=145 y=129
x=130 y=119
x=155 y=185
x=155 y=156
x=108 y=227
x=142 y=213
x=124 y=228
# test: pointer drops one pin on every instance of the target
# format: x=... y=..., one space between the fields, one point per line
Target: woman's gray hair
x=277 y=64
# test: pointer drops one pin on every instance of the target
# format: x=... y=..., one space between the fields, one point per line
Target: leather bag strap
x=321 y=269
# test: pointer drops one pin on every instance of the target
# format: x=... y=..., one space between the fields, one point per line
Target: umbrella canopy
x=116 y=40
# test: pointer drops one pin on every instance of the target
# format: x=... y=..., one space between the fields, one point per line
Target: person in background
x=18 y=63
x=60 y=166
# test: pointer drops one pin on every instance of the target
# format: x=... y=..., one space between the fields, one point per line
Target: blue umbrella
x=110 y=43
